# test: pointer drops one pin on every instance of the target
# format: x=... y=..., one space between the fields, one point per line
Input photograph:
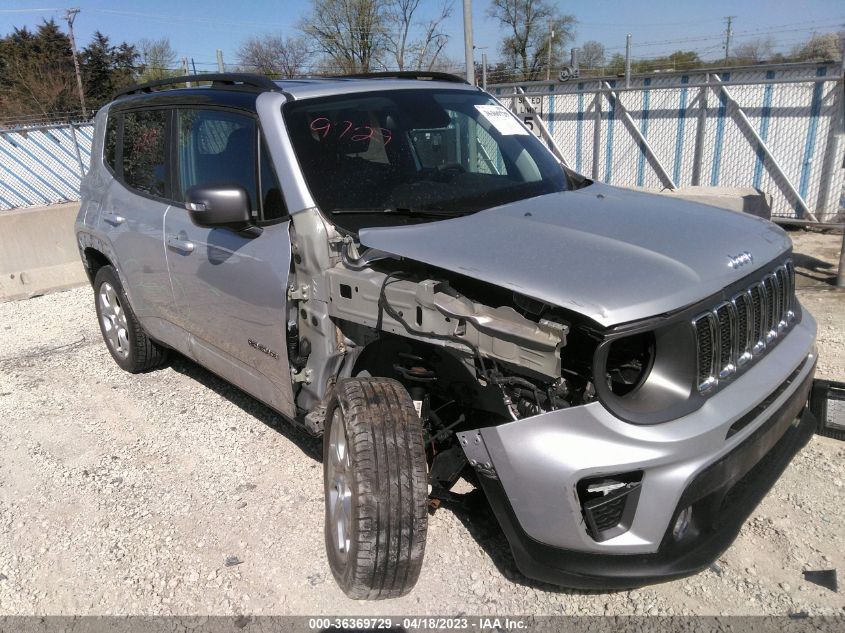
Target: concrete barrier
x=38 y=251
x=744 y=199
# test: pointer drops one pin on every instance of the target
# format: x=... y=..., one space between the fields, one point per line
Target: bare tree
x=37 y=88
x=419 y=52
x=528 y=23
x=158 y=59
x=274 y=55
x=821 y=47
x=756 y=50
x=591 y=55
x=350 y=33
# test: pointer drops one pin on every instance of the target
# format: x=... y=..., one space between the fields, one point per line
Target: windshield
x=404 y=156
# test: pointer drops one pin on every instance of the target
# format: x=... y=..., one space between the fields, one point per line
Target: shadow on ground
x=814 y=270
x=311 y=446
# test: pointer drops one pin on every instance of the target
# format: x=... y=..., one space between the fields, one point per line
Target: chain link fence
x=43 y=163
x=776 y=128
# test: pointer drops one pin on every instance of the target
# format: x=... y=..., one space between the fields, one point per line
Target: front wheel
x=376 y=489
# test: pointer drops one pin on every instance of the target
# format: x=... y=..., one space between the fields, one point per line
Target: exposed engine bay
x=470 y=354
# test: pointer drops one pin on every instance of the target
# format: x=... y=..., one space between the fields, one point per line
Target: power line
x=29 y=10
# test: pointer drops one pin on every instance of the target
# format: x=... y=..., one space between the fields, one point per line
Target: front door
x=230 y=288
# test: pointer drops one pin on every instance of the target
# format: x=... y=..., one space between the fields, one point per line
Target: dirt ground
x=173 y=493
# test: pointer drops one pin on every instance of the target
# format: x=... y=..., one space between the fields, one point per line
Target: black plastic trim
x=243 y=81
x=418 y=75
x=749 y=417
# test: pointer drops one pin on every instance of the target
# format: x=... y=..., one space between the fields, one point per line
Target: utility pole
x=628 y=60
x=186 y=71
x=468 y=42
x=70 y=16
x=728 y=34
x=549 y=64
x=220 y=66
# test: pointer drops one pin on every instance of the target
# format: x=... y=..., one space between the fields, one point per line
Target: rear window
x=144 y=151
x=110 y=147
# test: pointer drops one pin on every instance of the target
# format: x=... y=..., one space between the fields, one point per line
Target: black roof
x=242 y=100
x=242 y=81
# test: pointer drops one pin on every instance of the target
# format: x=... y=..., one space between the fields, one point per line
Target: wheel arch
x=94 y=260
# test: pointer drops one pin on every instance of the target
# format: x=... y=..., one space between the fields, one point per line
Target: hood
x=613 y=255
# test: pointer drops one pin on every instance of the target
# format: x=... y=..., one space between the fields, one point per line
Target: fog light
x=682 y=523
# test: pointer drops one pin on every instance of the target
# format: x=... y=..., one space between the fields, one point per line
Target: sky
x=197 y=29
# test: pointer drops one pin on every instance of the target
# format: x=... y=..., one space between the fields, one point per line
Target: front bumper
x=721 y=460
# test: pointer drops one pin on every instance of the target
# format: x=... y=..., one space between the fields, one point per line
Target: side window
x=144 y=150
x=272 y=202
x=215 y=147
x=110 y=144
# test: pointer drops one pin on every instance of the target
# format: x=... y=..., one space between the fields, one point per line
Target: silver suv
x=396 y=264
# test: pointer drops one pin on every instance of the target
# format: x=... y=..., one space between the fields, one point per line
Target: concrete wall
x=38 y=251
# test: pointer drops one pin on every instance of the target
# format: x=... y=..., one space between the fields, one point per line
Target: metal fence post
x=596 y=134
x=840 y=277
x=700 y=129
x=771 y=162
x=827 y=207
x=643 y=144
x=78 y=153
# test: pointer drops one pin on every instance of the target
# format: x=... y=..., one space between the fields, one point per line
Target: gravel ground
x=173 y=493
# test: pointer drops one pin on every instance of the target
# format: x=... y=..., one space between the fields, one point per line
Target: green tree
x=36 y=72
x=616 y=65
x=106 y=68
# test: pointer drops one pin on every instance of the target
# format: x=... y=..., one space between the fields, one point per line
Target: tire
x=376 y=490
x=127 y=342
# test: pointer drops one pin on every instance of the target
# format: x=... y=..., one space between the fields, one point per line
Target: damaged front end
x=470 y=354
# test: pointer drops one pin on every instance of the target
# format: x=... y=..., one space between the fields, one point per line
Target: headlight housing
x=664 y=368
x=646 y=376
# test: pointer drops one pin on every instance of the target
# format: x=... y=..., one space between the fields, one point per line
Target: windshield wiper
x=428 y=213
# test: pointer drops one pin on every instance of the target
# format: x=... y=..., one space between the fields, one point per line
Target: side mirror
x=218 y=205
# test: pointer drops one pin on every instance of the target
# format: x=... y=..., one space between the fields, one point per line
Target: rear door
x=133 y=210
x=230 y=288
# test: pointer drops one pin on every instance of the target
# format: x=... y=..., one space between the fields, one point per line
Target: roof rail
x=408 y=74
x=247 y=80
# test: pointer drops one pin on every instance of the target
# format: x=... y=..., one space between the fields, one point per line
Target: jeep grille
x=736 y=331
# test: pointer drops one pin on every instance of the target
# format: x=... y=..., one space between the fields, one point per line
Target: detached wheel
x=128 y=344
x=376 y=489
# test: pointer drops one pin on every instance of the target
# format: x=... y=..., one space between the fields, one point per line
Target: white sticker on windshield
x=501 y=119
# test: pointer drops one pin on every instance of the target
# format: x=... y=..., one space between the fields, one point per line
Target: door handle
x=180 y=245
x=113 y=218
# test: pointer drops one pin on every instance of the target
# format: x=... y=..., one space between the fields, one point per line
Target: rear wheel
x=376 y=489
x=127 y=342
